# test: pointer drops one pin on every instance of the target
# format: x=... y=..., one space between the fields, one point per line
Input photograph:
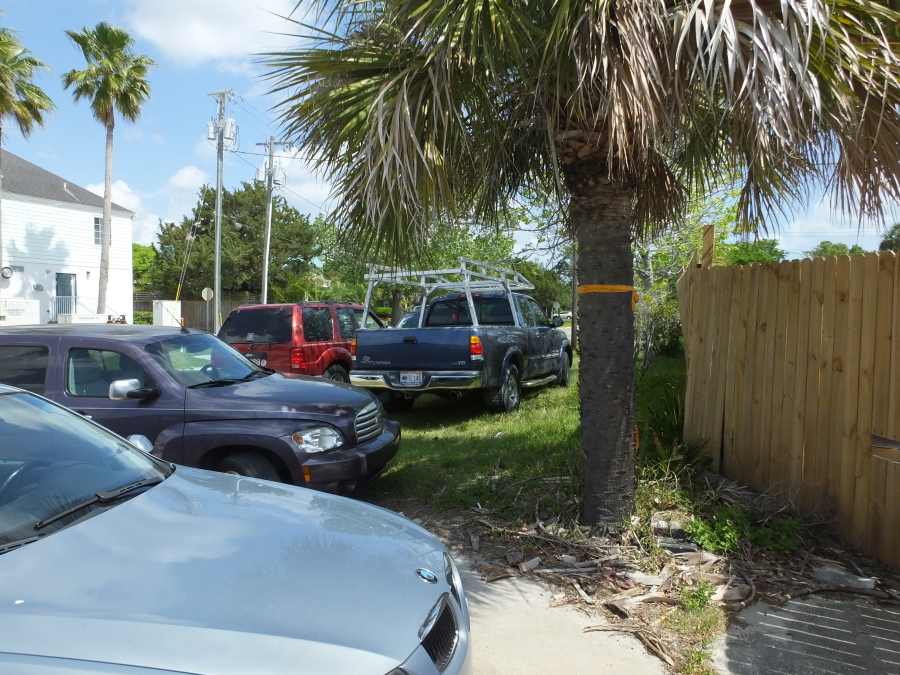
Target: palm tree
x=423 y=110
x=20 y=98
x=115 y=80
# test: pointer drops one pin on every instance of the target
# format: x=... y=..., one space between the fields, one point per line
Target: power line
x=263 y=154
x=299 y=196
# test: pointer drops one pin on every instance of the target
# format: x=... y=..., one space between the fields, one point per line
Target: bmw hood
x=211 y=573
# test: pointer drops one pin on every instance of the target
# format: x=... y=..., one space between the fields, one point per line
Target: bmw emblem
x=427 y=575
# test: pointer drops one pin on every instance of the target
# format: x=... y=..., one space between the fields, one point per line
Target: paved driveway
x=515 y=631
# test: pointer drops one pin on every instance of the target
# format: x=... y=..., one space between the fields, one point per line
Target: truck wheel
x=250 y=464
x=399 y=403
x=506 y=398
x=336 y=373
x=562 y=375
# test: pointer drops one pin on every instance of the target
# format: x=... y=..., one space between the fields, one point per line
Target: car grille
x=368 y=423
x=440 y=643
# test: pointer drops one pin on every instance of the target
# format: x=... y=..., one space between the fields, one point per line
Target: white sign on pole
x=207 y=294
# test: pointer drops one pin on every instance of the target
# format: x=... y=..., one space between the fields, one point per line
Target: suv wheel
x=562 y=375
x=251 y=464
x=506 y=398
x=336 y=373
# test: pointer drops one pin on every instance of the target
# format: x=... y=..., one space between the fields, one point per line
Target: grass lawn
x=455 y=454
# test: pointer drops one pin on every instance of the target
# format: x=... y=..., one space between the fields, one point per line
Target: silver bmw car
x=112 y=561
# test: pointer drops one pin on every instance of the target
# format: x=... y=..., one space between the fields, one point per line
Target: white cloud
x=145 y=222
x=821 y=222
x=188 y=177
x=304 y=189
x=226 y=32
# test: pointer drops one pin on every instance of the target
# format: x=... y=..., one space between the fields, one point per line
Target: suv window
x=317 y=324
x=89 y=372
x=347 y=321
x=24 y=367
x=266 y=324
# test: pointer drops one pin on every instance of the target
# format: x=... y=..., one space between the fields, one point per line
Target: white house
x=50 y=241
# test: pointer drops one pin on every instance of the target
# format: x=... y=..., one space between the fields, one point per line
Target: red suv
x=308 y=338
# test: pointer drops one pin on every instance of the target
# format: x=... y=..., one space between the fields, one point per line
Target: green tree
x=143 y=260
x=550 y=289
x=749 y=252
x=20 y=98
x=891 y=241
x=826 y=249
x=115 y=81
x=243 y=223
x=421 y=110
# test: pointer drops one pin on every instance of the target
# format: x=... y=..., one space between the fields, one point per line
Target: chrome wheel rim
x=510 y=390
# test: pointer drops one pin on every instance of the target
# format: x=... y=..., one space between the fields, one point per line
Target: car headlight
x=317 y=439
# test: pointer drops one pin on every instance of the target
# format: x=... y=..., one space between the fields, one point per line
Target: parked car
x=203 y=404
x=410 y=320
x=513 y=346
x=309 y=338
x=114 y=561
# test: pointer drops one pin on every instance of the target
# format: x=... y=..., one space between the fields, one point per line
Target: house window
x=98 y=231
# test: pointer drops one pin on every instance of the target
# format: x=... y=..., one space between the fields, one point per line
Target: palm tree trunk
x=107 y=222
x=601 y=213
x=574 y=337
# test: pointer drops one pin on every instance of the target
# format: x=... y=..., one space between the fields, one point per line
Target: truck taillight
x=353 y=348
x=476 y=349
x=296 y=359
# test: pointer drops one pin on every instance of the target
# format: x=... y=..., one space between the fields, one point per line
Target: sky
x=201 y=46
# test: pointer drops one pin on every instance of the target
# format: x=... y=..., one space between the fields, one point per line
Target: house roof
x=21 y=177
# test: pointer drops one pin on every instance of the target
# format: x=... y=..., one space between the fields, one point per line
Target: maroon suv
x=306 y=338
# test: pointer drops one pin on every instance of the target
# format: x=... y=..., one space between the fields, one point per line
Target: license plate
x=258 y=359
x=413 y=379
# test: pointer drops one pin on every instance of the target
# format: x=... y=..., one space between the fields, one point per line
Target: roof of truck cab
x=307 y=303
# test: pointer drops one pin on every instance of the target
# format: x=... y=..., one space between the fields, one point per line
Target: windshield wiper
x=10 y=545
x=214 y=383
x=103 y=497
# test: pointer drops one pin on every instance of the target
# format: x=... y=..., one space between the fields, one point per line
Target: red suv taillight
x=353 y=348
x=296 y=359
x=476 y=349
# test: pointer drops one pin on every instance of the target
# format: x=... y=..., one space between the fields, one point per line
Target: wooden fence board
x=861 y=447
x=791 y=370
x=813 y=463
x=797 y=421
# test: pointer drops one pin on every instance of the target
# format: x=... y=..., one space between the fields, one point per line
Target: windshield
x=196 y=359
x=52 y=459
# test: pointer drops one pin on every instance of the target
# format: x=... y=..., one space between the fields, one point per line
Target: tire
x=562 y=373
x=508 y=395
x=396 y=403
x=250 y=464
x=337 y=373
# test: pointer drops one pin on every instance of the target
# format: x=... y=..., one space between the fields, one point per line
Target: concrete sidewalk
x=515 y=631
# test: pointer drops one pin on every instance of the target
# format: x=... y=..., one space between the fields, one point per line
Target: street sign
x=207 y=294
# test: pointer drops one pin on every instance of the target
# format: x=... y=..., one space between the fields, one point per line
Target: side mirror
x=120 y=390
x=140 y=442
x=556 y=321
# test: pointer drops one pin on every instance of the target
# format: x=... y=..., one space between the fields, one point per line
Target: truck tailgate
x=413 y=349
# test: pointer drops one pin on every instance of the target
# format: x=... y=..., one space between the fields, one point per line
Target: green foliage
x=730 y=526
x=695 y=662
x=20 y=98
x=891 y=241
x=826 y=249
x=143 y=260
x=549 y=288
x=144 y=317
x=294 y=246
x=748 y=252
x=695 y=598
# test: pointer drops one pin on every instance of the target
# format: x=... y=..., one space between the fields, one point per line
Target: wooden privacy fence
x=793 y=385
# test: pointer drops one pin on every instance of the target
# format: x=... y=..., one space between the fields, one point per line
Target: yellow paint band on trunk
x=585 y=289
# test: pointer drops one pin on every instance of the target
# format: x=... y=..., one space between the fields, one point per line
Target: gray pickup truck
x=510 y=345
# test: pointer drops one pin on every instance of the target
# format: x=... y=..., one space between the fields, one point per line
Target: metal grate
x=440 y=643
x=368 y=423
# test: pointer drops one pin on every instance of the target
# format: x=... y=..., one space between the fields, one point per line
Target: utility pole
x=270 y=190
x=219 y=127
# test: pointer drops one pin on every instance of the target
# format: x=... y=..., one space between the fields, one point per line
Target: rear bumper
x=431 y=379
x=332 y=470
